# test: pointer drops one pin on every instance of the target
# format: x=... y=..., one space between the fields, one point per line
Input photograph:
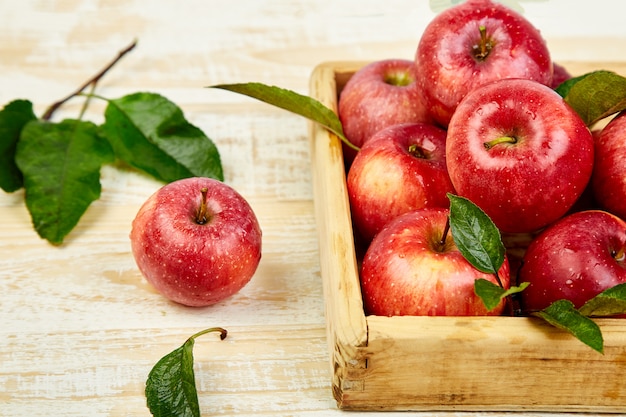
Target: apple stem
x=223 y=332
x=482 y=51
x=201 y=214
x=498 y=279
x=416 y=151
x=619 y=255
x=444 y=235
x=398 y=79
x=501 y=139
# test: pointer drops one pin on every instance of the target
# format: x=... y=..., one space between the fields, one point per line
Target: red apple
x=519 y=152
x=197 y=241
x=575 y=259
x=407 y=271
x=608 y=181
x=380 y=94
x=471 y=44
x=401 y=168
x=560 y=75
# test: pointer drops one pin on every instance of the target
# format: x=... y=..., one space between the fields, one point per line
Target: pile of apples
x=475 y=114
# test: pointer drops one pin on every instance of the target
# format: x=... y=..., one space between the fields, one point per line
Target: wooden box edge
x=358 y=343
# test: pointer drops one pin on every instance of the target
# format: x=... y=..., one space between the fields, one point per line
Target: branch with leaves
x=58 y=163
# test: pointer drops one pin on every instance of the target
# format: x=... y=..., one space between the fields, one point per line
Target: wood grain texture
x=79 y=327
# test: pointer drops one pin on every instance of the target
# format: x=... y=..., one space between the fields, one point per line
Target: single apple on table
x=608 y=181
x=574 y=259
x=401 y=168
x=379 y=94
x=197 y=241
x=471 y=44
x=519 y=152
x=408 y=270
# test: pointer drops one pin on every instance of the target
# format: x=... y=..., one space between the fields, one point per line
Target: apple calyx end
x=481 y=51
x=501 y=139
x=202 y=215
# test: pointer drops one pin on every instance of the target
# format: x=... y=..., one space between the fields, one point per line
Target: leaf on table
x=492 y=294
x=476 y=236
x=13 y=117
x=291 y=101
x=150 y=133
x=609 y=302
x=595 y=95
x=171 y=384
x=563 y=314
x=61 y=165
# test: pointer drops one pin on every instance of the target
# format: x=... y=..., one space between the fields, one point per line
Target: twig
x=92 y=81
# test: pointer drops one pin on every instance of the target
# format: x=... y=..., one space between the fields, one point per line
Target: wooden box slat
x=444 y=363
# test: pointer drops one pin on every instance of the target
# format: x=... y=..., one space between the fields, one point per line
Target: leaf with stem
x=480 y=242
x=476 y=236
x=294 y=102
x=171 y=385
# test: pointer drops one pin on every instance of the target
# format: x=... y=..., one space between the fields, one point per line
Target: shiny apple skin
x=386 y=179
x=522 y=186
x=575 y=259
x=608 y=182
x=196 y=264
x=374 y=98
x=402 y=274
x=447 y=68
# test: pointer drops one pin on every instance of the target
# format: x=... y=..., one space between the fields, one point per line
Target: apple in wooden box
x=443 y=363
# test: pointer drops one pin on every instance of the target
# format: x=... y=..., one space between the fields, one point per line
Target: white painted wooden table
x=79 y=327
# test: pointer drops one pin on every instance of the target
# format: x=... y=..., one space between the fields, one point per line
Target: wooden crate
x=444 y=363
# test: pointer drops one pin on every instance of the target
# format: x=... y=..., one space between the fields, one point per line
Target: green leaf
x=563 y=314
x=565 y=86
x=610 y=302
x=595 y=95
x=13 y=117
x=476 y=236
x=171 y=384
x=291 y=101
x=61 y=166
x=492 y=294
x=150 y=133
